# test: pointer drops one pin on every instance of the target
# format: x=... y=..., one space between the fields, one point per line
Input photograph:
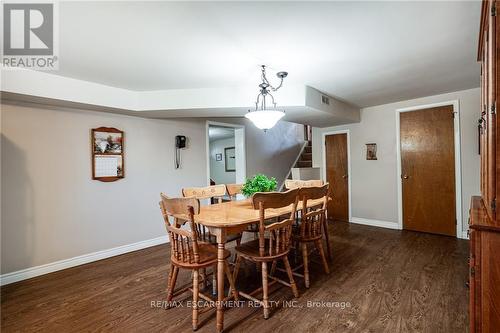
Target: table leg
x=327 y=238
x=221 y=240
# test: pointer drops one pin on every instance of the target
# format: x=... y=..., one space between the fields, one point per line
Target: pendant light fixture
x=264 y=117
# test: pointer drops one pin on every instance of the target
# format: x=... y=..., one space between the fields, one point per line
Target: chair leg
x=235 y=271
x=232 y=288
x=170 y=273
x=319 y=246
x=238 y=243
x=327 y=238
x=265 y=290
x=273 y=268
x=196 y=285
x=205 y=281
x=214 y=280
x=290 y=276
x=306 y=264
x=173 y=280
x=296 y=252
x=236 y=268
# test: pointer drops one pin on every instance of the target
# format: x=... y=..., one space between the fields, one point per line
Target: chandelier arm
x=272 y=98
x=265 y=80
x=257 y=102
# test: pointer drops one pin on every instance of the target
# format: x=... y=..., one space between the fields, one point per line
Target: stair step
x=306 y=157
x=304 y=164
x=308 y=149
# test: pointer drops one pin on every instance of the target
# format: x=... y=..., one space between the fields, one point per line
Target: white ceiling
x=366 y=53
x=219 y=133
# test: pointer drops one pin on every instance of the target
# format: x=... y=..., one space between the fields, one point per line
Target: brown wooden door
x=428 y=170
x=337 y=176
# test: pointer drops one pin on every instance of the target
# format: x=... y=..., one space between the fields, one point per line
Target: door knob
x=344 y=176
x=406 y=176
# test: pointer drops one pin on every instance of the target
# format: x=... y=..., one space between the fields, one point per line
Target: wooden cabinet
x=484 y=234
x=484 y=278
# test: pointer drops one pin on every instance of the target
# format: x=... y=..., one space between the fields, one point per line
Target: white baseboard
x=465 y=235
x=76 y=261
x=375 y=223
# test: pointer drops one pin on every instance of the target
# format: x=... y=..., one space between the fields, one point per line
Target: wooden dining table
x=229 y=218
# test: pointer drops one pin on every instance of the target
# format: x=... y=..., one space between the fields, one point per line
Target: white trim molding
x=375 y=223
x=458 y=168
x=323 y=154
x=80 y=260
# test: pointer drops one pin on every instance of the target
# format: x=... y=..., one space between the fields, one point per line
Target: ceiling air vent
x=325 y=100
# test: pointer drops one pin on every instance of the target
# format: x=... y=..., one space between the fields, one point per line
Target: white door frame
x=241 y=174
x=458 y=168
x=323 y=152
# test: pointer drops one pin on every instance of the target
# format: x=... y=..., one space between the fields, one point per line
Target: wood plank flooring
x=393 y=281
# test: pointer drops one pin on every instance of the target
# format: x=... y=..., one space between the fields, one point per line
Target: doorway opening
x=429 y=175
x=226 y=157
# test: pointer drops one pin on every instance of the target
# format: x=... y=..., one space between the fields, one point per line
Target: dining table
x=233 y=217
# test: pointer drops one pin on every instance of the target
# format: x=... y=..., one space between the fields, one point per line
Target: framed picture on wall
x=218 y=157
x=107 y=154
x=230 y=161
x=371 y=151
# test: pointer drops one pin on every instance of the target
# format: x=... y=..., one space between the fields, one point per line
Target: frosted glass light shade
x=265 y=119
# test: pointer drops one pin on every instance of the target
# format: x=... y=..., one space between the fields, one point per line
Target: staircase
x=305 y=160
x=302 y=168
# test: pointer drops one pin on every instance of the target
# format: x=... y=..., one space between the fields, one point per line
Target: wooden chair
x=293 y=183
x=310 y=230
x=209 y=192
x=187 y=252
x=233 y=190
x=273 y=243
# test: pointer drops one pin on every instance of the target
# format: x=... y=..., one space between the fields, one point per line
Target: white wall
x=374 y=183
x=52 y=210
x=218 y=168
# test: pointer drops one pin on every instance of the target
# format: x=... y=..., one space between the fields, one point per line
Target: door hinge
x=456 y=222
x=494 y=204
x=493 y=108
x=493 y=10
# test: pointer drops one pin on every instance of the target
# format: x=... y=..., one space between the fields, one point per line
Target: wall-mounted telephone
x=180 y=142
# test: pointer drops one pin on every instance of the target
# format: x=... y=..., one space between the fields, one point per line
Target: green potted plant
x=259 y=183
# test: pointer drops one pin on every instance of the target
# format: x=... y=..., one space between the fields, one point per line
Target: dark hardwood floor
x=386 y=280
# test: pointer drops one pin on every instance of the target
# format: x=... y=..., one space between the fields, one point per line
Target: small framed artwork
x=218 y=157
x=107 y=154
x=371 y=151
x=230 y=161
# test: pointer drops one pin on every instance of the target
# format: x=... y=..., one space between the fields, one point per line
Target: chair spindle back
x=184 y=243
x=313 y=217
x=279 y=233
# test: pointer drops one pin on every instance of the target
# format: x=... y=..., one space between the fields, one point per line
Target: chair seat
x=208 y=256
x=250 y=250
